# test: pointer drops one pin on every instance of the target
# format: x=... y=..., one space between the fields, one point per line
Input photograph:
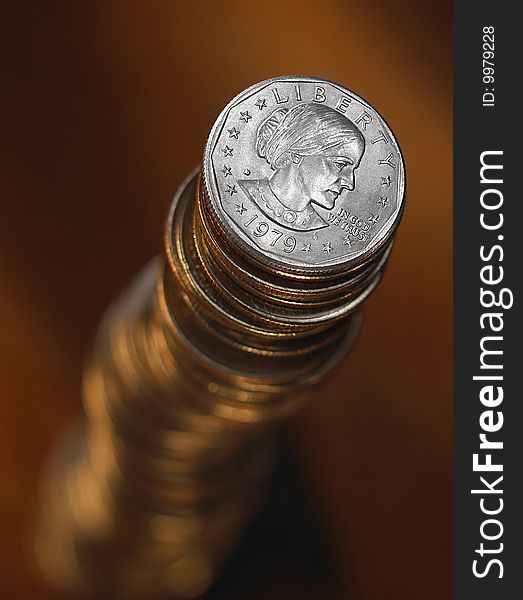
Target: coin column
x=182 y=385
x=215 y=344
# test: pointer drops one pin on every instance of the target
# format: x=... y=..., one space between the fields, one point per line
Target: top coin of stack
x=303 y=180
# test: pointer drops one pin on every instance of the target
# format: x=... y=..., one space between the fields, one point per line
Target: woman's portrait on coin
x=314 y=151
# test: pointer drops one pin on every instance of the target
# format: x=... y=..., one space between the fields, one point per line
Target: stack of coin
x=270 y=249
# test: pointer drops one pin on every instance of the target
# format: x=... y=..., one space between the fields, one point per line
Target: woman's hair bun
x=266 y=130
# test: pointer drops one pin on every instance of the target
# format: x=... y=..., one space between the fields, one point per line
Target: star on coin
x=307 y=248
x=231 y=189
x=233 y=133
x=373 y=218
x=347 y=241
x=261 y=103
x=227 y=151
x=386 y=181
x=245 y=116
x=383 y=200
x=226 y=170
x=327 y=248
x=240 y=208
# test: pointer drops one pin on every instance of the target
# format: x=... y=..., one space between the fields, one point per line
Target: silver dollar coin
x=304 y=172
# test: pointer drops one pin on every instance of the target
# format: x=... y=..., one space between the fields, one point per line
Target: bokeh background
x=105 y=106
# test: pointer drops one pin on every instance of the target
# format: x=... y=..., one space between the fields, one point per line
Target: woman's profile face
x=324 y=176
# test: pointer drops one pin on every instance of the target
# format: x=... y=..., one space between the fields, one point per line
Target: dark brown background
x=105 y=107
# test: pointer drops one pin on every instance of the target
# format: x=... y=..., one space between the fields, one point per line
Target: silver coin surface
x=304 y=172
